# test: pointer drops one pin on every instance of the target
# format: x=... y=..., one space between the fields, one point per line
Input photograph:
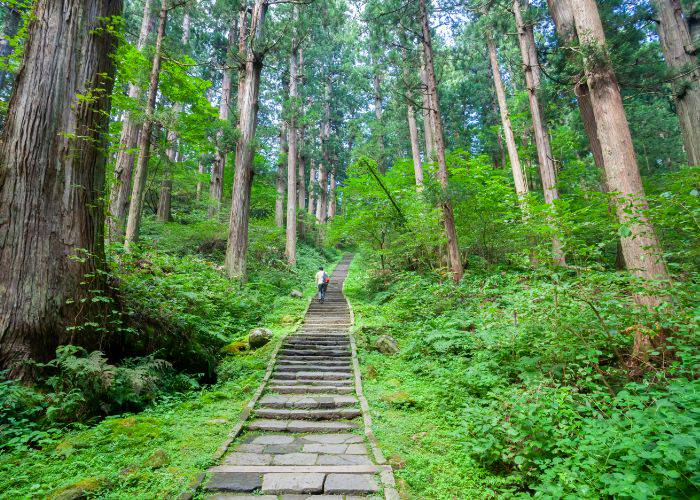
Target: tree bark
x=281 y=181
x=164 y=212
x=312 y=189
x=447 y=213
x=521 y=188
x=412 y=127
x=201 y=170
x=379 y=130
x=324 y=166
x=290 y=250
x=139 y=188
x=123 y=169
x=544 y=150
x=331 y=197
x=249 y=88
x=428 y=126
x=52 y=173
x=301 y=160
x=681 y=56
x=642 y=252
x=216 y=182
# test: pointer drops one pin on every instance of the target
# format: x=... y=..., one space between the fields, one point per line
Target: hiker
x=322 y=280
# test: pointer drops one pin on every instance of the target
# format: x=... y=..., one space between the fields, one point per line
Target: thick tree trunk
x=544 y=150
x=52 y=173
x=138 y=191
x=518 y=178
x=312 y=189
x=290 y=249
x=301 y=160
x=324 y=166
x=331 y=197
x=249 y=87
x=216 y=182
x=641 y=249
x=681 y=56
x=121 y=183
x=164 y=212
x=281 y=180
x=454 y=257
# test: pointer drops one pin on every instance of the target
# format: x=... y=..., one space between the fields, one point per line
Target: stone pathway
x=308 y=435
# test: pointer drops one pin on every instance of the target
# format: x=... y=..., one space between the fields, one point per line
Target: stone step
x=308 y=414
x=315 y=358
x=306 y=375
x=304 y=343
x=306 y=350
x=310 y=389
x=325 y=353
x=307 y=402
x=308 y=484
x=293 y=425
x=291 y=361
x=338 y=383
x=309 y=367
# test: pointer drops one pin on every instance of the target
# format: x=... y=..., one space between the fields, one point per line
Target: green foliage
x=525 y=380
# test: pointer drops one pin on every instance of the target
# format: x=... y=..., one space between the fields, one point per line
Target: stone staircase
x=306 y=437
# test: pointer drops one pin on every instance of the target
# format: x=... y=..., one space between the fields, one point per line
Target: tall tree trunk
x=412 y=126
x=121 y=183
x=166 y=186
x=52 y=173
x=281 y=181
x=531 y=70
x=641 y=249
x=499 y=138
x=454 y=257
x=216 y=182
x=377 y=87
x=249 y=88
x=324 y=166
x=139 y=189
x=331 y=197
x=312 y=189
x=518 y=177
x=681 y=56
x=290 y=249
x=301 y=160
x=201 y=170
x=428 y=126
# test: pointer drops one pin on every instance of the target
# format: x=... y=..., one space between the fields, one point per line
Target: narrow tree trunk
x=499 y=138
x=642 y=252
x=331 y=197
x=681 y=56
x=518 y=177
x=291 y=242
x=121 y=183
x=324 y=166
x=428 y=125
x=379 y=130
x=164 y=212
x=301 y=160
x=201 y=170
x=52 y=173
x=312 y=189
x=138 y=191
x=447 y=213
x=281 y=181
x=237 y=245
x=216 y=182
x=544 y=149
x=412 y=126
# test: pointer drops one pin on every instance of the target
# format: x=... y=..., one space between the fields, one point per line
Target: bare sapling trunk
x=681 y=56
x=52 y=173
x=454 y=257
x=290 y=249
x=216 y=182
x=139 y=188
x=545 y=158
x=121 y=183
x=237 y=245
x=164 y=212
x=640 y=246
x=281 y=181
x=312 y=189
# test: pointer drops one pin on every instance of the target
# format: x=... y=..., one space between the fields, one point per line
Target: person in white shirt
x=322 y=280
